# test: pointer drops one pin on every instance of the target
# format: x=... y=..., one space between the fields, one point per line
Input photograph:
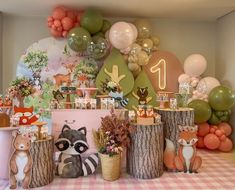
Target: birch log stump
x=171 y=119
x=145 y=154
x=43 y=162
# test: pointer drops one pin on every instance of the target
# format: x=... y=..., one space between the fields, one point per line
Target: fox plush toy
x=25 y=115
x=186 y=160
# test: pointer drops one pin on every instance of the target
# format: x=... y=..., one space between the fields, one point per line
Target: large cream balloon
x=206 y=84
x=121 y=35
x=195 y=65
x=134 y=30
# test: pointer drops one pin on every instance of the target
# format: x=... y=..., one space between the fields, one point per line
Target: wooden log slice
x=43 y=162
x=171 y=119
x=145 y=154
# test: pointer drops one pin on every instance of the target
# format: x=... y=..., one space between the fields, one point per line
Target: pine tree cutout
x=116 y=70
x=142 y=81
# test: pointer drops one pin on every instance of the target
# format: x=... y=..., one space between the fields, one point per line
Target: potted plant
x=20 y=88
x=111 y=138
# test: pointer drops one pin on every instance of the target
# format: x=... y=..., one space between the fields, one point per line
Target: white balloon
x=184 y=78
x=134 y=31
x=195 y=65
x=206 y=84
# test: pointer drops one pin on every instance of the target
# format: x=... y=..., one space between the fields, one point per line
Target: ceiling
x=206 y=10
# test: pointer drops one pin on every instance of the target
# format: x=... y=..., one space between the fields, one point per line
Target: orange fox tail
x=169 y=155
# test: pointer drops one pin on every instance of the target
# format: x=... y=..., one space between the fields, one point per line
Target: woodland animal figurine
x=1 y=100
x=72 y=143
x=37 y=80
x=186 y=160
x=21 y=161
x=26 y=116
x=65 y=78
x=58 y=96
x=141 y=111
x=142 y=93
x=7 y=101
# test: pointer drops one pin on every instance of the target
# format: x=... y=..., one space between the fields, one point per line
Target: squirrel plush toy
x=21 y=161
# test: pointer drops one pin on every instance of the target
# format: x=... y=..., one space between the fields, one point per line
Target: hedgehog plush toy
x=72 y=143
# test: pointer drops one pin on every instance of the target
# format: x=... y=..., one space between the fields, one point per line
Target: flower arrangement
x=113 y=135
x=20 y=88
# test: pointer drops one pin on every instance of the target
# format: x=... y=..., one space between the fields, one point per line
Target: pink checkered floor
x=217 y=173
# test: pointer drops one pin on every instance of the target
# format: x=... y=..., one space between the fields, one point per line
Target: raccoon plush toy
x=72 y=143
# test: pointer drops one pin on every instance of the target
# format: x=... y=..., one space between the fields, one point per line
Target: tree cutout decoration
x=142 y=82
x=115 y=69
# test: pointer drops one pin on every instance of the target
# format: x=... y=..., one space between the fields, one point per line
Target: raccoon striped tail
x=90 y=164
x=124 y=102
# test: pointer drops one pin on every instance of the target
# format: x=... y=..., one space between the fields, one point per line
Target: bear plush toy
x=21 y=161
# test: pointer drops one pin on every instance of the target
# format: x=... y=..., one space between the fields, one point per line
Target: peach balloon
x=226 y=128
x=59 y=13
x=226 y=145
x=219 y=133
x=212 y=130
x=222 y=138
x=56 y=33
x=211 y=141
x=67 y=23
x=200 y=142
x=203 y=129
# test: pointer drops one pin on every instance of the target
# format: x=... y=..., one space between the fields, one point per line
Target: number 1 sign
x=163 y=71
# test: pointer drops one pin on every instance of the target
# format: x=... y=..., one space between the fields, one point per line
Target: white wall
x=180 y=37
x=18 y=34
x=225 y=54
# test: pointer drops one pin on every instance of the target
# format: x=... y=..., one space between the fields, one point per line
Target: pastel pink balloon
x=134 y=31
x=64 y=33
x=59 y=13
x=121 y=35
x=195 y=65
x=67 y=23
x=206 y=84
x=184 y=78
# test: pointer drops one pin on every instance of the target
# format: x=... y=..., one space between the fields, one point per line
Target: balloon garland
x=88 y=32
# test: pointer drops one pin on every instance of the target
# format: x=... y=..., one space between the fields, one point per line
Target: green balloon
x=78 y=39
x=106 y=26
x=221 y=98
x=92 y=21
x=202 y=110
x=214 y=120
x=97 y=36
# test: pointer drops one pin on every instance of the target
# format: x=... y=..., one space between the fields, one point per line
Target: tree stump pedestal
x=43 y=163
x=172 y=118
x=145 y=154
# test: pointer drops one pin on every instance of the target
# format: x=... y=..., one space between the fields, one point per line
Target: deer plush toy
x=21 y=161
x=186 y=160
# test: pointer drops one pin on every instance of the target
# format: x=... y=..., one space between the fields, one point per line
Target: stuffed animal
x=25 y=115
x=58 y=96
x=21 y=161
x=187 y=159
x=72 y=143
x=142 y=93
